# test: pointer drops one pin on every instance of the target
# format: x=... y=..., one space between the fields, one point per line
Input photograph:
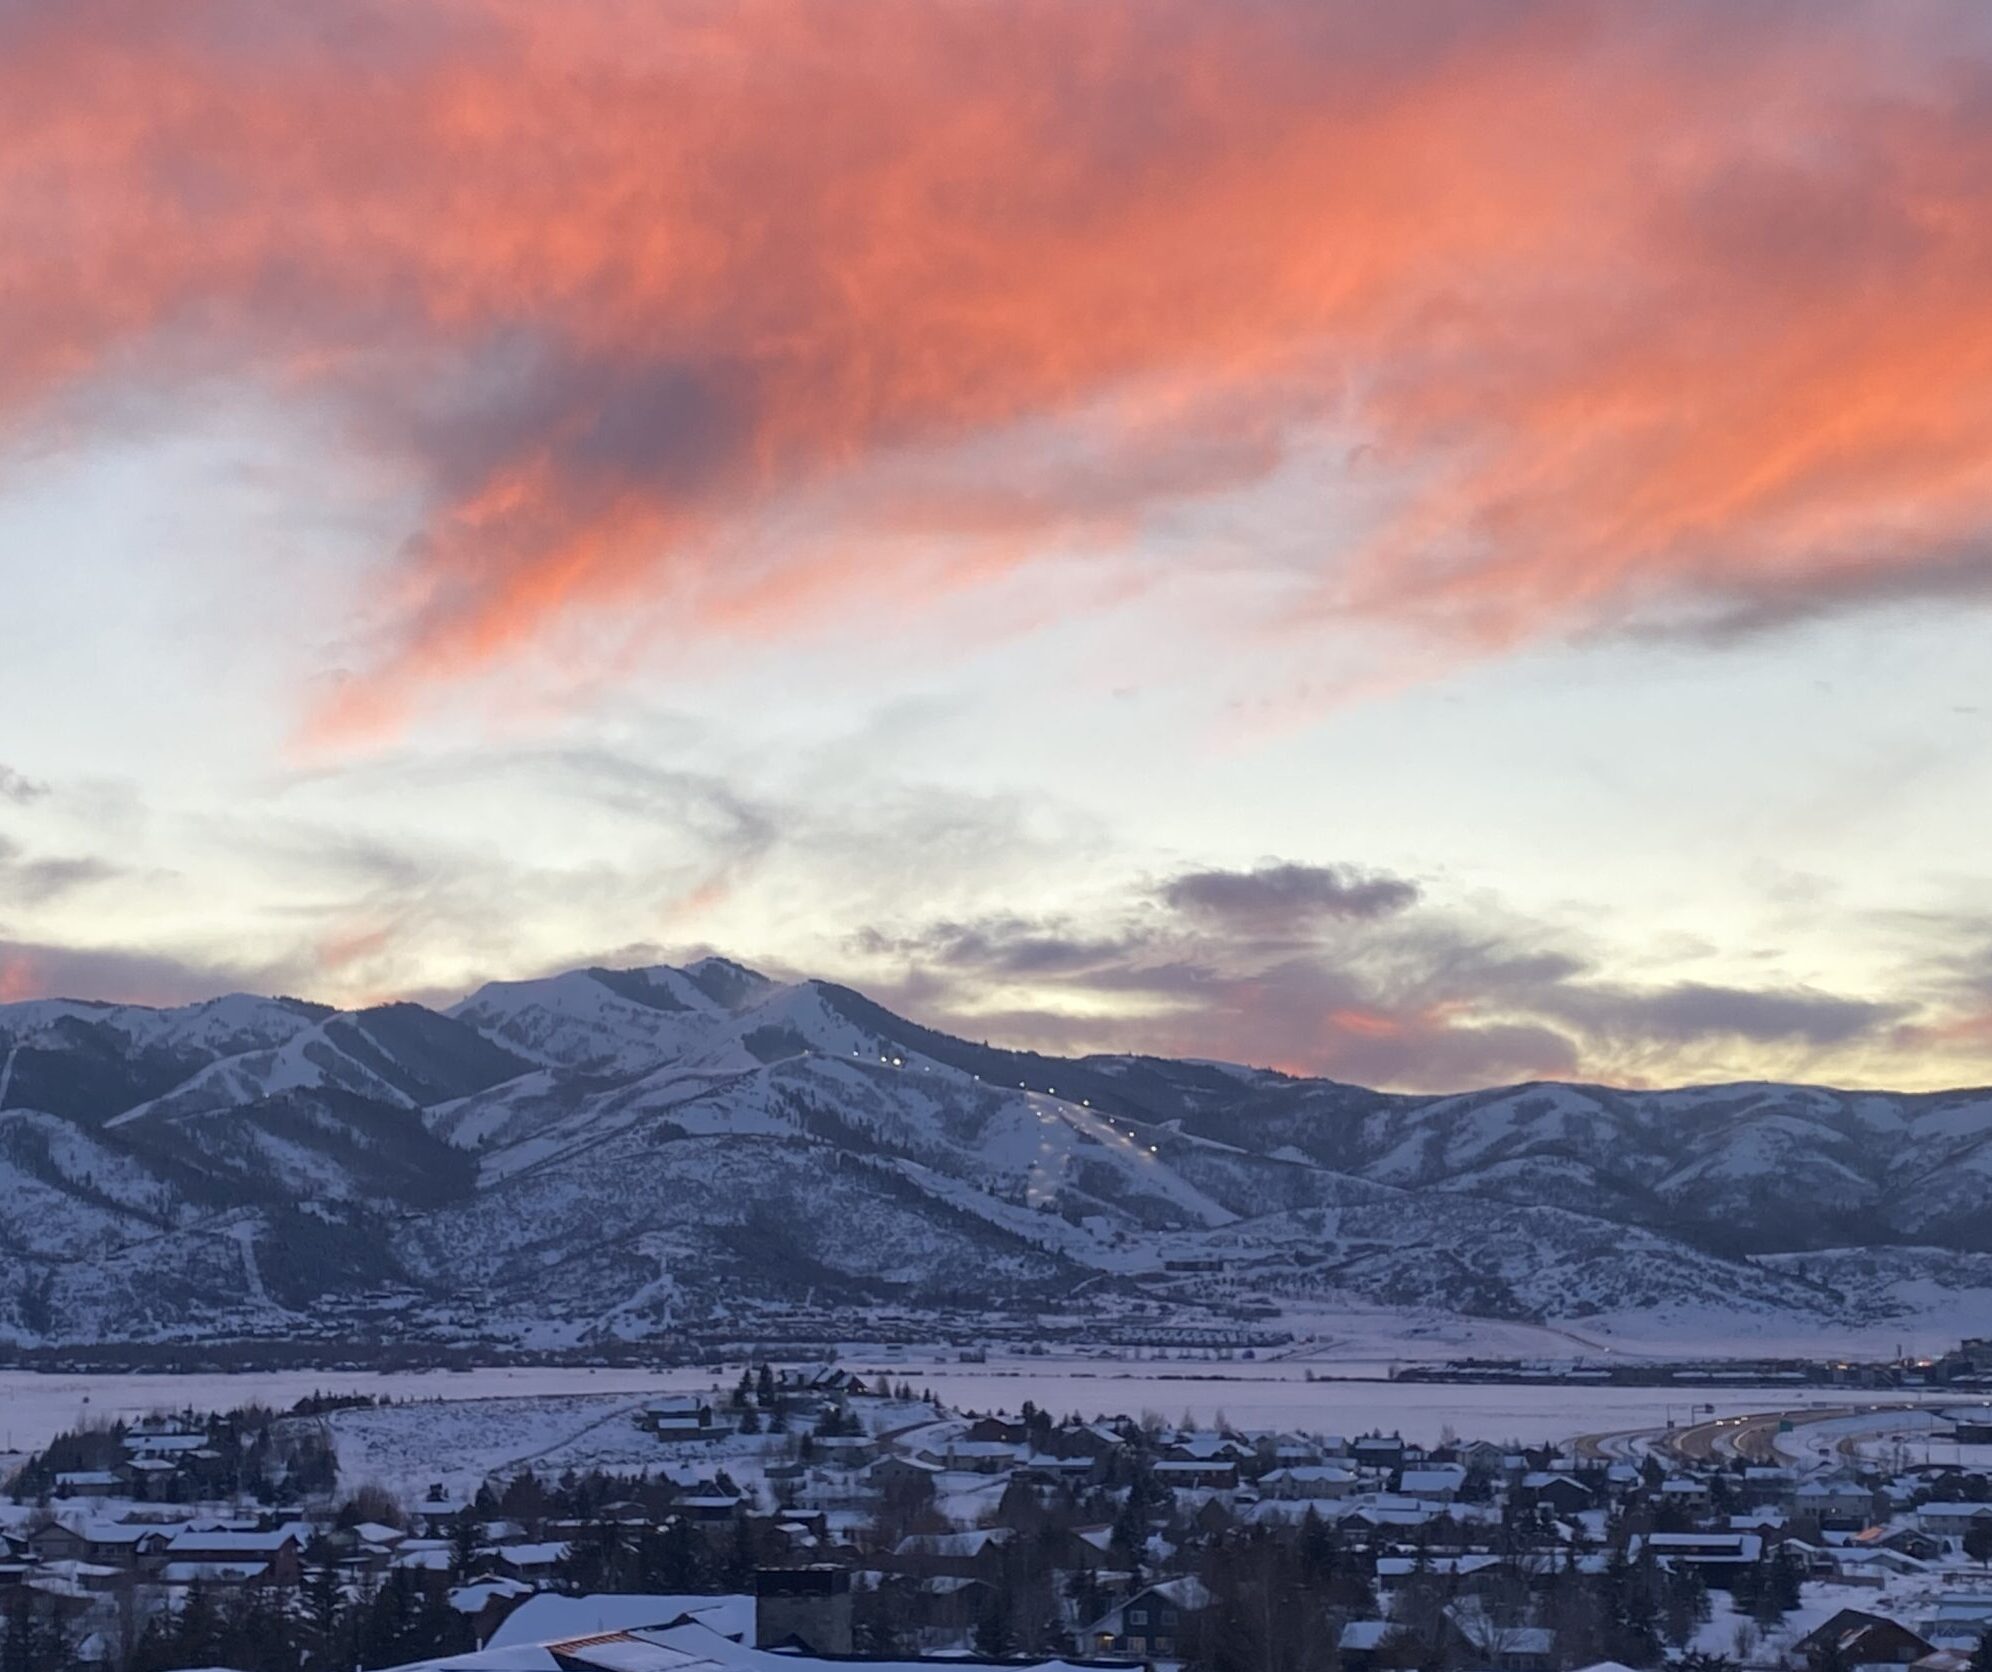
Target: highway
x=1752 y=1438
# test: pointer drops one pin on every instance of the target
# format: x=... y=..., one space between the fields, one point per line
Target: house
x=1308 y=1480
x=122 y=1543
x=692 y=1641
x=548 y=1617
x=1286 y=1451
x=54 y=1541
x=1503 y=1648
x=116 y=1544
x=438 y=1513
x=70 y=1582
x=1970 y=1425
x=1685 y=1493
x=1218 y=1473
x=88 y=1483
x=1207 y=1448
x=908 y=1475
x=152 y=1478
x=1395 y=1572
x=1622 y=1478
x=1718 y=1557
x=214 y=1574
x=1439 y=1484
x=487 y=1602
x=1959 y=1621
x=1155 y=1622
x=843 y=1451
x=977 y=1457
x=1559 y=1493
x=538 y=1560
x=1096 y=1440
x=1953 y=1520
x=945 y=1604
x=1834 y=1500
x=1385 y=1514
x=977 y=1554
x=154 y=1442
x=1858 y=1638
x=1043 y=1468
x=1762 y=1485
x=1361 y=1640
x=681 y=1416
x=276 y=1551
x=1379 y=1451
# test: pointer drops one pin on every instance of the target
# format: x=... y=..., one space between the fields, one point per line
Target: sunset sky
x=1429 y=544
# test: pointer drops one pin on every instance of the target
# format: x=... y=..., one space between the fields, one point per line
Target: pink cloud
x=1678 y=318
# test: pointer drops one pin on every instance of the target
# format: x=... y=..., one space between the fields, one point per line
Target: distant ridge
x=616 y=1153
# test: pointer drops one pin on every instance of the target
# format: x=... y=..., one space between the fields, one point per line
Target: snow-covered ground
x=1910 y=1599
x=1275 y=1395
x=1892 y=1438
x=35 y=1408
x=473 y=1421
x=457 y=1444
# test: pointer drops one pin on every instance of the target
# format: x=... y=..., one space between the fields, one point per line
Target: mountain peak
x=725 y=982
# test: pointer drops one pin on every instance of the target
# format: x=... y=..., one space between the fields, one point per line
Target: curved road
x=1752 y=1438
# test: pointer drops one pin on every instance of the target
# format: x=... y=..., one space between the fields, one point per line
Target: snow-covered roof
x=548 y=1618
x=971 y=1543
x=1188 y=1593
x=231 y=1543
x=543 y=1554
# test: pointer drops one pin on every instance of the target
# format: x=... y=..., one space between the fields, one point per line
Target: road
x=1752 y=1438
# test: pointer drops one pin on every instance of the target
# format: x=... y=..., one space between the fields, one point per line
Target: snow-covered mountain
x=627 y=1151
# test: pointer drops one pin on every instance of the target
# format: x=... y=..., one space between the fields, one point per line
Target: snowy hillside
x=622 y=1152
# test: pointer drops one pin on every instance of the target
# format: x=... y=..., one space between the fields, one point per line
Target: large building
x=685 y=1645
x=1970 y=1425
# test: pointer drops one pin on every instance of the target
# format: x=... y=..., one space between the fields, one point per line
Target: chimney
x=810 y=1606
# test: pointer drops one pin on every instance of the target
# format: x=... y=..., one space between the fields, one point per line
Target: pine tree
x=466 y=1538
x=322 y=1602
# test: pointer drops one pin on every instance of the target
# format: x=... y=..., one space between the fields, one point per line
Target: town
x=800 y=1512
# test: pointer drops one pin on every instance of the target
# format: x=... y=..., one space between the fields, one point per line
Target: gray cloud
x=1693 y=1011
x=18 y=788
x=131 y=975
x=1277 y=895
x=1729 y=610
x=31 y=882
x=1334 y=971
x=1005 y=946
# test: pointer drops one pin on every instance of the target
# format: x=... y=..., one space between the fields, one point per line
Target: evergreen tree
x=322 y=1602
x=466 y=1539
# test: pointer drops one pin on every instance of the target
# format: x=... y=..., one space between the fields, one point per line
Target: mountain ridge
x=631 y=1152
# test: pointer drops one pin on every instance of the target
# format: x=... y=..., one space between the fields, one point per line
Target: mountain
x=618 y=1153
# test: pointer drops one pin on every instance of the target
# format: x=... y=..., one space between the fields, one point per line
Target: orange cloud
x=17 y=979
x=1680 y=318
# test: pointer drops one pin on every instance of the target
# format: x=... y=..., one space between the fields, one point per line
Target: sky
x=1430 y=545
